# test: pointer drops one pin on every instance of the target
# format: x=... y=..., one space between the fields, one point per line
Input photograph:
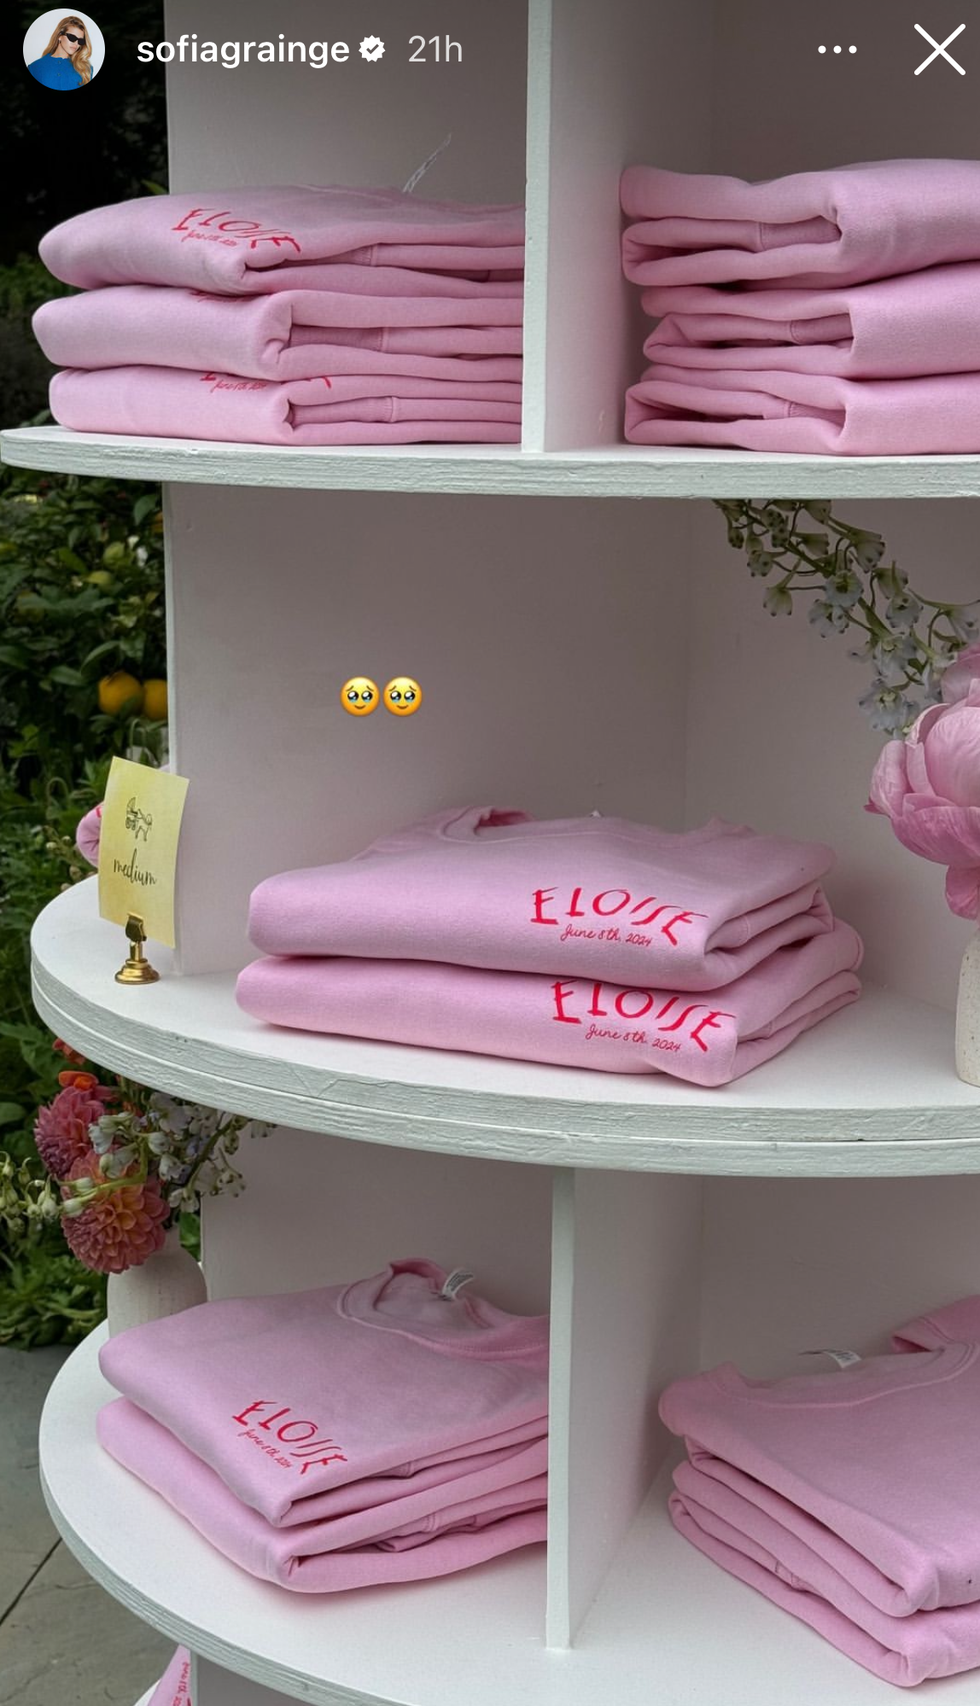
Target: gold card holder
x=136 y=968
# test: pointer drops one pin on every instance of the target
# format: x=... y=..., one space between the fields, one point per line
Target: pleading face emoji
x=359 y=696
x=403 y=696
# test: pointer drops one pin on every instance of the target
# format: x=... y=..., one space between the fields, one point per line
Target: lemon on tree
x=155 y=700
x=120 y=692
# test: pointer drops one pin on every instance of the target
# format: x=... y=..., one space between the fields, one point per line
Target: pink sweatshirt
x=814 y=1490
x=840 y=226
x=955 y=1323
x=760 y=1551
x=279 y=237
x=708 y=1038
x=805 y=412
x=174 y=1687
x=430 y=1530
x=289 y=1397
x=586 y=897
x=293 y=334
x=895 y=328
x=161 y=402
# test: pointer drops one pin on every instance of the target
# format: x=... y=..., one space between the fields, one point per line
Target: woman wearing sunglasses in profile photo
x=65 y=61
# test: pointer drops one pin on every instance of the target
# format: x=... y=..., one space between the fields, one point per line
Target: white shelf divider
x=624 y=1320
x=591 y=112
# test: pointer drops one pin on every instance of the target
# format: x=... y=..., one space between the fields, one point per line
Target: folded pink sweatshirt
x=295 y=334
x=895 y=328
x=162 y=402
x=174 y=1687
x=451 y=1527
x=279 y=237
x=840 y=226
x=758 y=1551
x=815 y=1490
x=292 y=1396
x=590 y=897
x=805 y=412
x=954 y=1323
x=706 y=1038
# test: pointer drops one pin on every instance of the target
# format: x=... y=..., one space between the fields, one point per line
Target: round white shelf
x=617 y=471
x=664 y=1615
x=870 y=1092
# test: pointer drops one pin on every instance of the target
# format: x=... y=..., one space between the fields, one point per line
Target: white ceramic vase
x=968 y=1015
x=166 y=1283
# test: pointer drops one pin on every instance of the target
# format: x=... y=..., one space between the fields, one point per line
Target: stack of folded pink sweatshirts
x=386 y=1431
x=590 y=942
x=829 y=312
x=849 y=1498
x=289 y=316
x=174 y=1687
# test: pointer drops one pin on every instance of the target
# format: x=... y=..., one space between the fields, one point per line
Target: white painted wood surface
x=598 y=114
x=336 y=1210
x=968 y=1014
x=871 y=1091
x=791 y=1265
x=778 y=106
x=533 y=635
x=353 y=123
x=625 y=1321
x=668 y=1626
x=613 y=471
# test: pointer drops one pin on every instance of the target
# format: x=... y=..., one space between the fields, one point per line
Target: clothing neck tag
x=843 y=1359
x=456 y=1281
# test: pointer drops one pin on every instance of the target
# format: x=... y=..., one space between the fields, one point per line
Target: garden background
x=81 y=599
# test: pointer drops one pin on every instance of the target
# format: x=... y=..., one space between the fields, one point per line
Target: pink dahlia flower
x=928 y=785
x=120 y=1229
x=61 y=1128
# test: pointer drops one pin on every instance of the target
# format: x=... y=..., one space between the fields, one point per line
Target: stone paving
x=63 y=1640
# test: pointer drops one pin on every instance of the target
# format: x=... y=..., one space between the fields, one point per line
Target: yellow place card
x=138 y=842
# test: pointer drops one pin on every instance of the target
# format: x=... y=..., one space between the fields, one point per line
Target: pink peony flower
x=928 y=785
x=61 y=1129
x=88 y=835
x=122 y=1228
x=958 y=678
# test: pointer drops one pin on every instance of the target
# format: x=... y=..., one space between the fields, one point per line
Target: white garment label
x=456 y=1281
x=843 y=1359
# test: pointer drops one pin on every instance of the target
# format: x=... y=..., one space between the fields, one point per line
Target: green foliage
x=46 y=1297
x=907 y=640
x=24 y=371
x=81 y=595
x=60 y=631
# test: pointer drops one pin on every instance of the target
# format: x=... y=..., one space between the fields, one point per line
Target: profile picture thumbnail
x=63 y=50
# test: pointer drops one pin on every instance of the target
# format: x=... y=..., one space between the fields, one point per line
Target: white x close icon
x=940 y=50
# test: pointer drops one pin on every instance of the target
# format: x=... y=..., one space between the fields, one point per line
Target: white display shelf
x=616 y=471
x=870 y=1092
x=480 y=1631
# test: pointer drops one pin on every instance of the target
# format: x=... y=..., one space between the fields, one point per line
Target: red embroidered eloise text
x=304 y=1444
x=222 y=225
